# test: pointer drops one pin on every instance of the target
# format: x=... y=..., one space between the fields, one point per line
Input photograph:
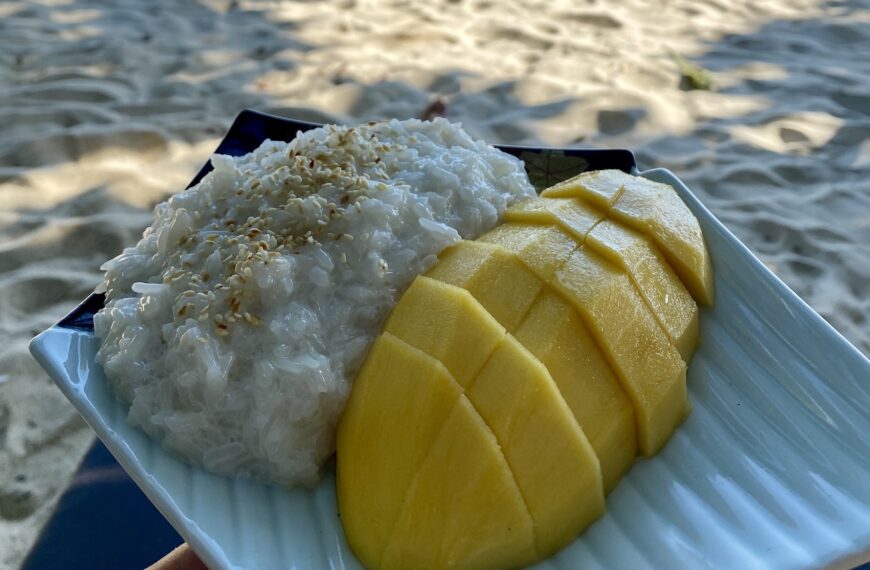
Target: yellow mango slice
x=665 y=295
x=397 y=385
x=656 y=210
x=599 y=187
x=555 y=466
x=650 y=368
x=495 y=277
x=447 y=323
x=571 y=214
x=542 y=248
x=556 y=335
x=464 y=509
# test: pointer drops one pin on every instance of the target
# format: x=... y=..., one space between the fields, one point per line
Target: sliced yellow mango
x=506 y=289
x=571 y=214
x=516 y=381
x=599 y=187
x=495 y=277
x=656 y=210
x=447 y=323
x=397 y=385
x=556 y=335
x=464 y=509
x=667 y=298
x=542 y=248
x=554 y=464
x=650 y=368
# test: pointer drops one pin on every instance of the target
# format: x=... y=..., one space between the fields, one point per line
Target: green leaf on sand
x=692 y=76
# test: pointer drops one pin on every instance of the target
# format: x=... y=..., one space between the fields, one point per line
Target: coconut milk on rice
x=235 y=326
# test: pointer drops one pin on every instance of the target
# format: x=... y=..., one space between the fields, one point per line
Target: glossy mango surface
x=516 y=381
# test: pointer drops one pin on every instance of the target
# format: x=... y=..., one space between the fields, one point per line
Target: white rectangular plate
x=771 y=470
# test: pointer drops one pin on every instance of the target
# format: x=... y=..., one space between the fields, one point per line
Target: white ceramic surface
x=771 y=470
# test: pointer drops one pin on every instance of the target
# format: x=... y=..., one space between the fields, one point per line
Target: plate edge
x=188 y=530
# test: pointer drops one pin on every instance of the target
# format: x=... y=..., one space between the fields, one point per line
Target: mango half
x=515 y=382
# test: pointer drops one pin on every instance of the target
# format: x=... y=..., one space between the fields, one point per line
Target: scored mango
x=599 y=187
x=650 y=368
x=660 y=288
x=654 y=209
x=397 y=385
x=515 y=382
x=551 y=330
x=517 y=401
x=544 y=446
x=447 y=323
x=542 y=248
x=470 y=515
x=494 y=276
x=570 y=214
x=556 y=335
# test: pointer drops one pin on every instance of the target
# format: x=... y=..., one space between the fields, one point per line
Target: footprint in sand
x=793 y=133
x=89 y=240
x=25 y=293
x=853 y=101
x=619 y=121
x=73 y=145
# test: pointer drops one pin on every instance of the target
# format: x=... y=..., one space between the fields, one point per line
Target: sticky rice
x=234 y=328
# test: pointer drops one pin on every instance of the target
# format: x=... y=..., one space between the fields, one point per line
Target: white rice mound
x=235 y=326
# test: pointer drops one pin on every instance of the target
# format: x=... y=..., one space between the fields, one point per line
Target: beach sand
x=105 y=108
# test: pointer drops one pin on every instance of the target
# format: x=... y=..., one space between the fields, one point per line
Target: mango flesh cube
x=542 y=248
x=656 y=210
x=464 y=509
x=555 y=466
x=667 y=298
x=649 y=367
x=397 y=385
x=556 y=335
x=571 y=214
x=448 y=324
x=599 y=187
x=495 y=277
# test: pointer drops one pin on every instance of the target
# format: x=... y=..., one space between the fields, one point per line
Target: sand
x=105 y=108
